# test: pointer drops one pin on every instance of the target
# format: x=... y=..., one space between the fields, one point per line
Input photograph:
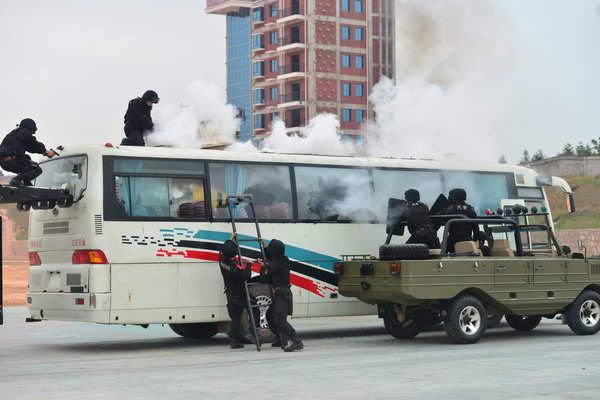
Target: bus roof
x=226 y=155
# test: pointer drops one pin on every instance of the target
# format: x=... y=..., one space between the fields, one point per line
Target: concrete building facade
x=567 y=166
x=294 y=59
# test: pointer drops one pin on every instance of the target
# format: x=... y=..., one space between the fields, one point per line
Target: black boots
x=296 y=345
x=277 y=343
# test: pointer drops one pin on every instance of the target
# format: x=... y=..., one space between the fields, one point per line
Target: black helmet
x=28 y=123
x=275 y=248
x=412 y=195
x=229 y=249
x=150 y=95
x=457 y=194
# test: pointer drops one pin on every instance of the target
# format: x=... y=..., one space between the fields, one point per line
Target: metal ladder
x=237 y=200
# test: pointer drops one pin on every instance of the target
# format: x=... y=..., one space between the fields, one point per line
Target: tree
x=502 y=159
x=583 y=150
x=539 y=155
x=567 y=150
x=525 y=158
x=596 y=147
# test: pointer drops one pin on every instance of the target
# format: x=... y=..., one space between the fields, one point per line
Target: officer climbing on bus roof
x=234 y=276
x=276 y=271
x=138 y=119
x=419 y=224
x=460 y=232
x=13 y=157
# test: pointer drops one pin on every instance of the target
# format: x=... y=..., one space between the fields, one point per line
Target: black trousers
x=235 y=308
x=24 y=167
x=278 y=312
x=134 y=135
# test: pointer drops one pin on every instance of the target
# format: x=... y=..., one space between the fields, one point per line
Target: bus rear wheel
x=263 y=298
x=195 y=331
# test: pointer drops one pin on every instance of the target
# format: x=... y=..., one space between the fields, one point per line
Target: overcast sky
x=73 y=65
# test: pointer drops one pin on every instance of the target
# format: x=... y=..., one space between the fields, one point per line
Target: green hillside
x=586 y=191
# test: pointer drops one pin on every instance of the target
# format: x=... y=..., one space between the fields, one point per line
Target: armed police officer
x=234 y=276
x=138 y=119
x=419 y=224
x=460 y=232
x=13 y=157
x=276 y=271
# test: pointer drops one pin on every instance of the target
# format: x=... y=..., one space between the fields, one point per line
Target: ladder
x=238 y=200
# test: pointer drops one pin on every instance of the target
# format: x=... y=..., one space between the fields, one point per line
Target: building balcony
x=292 y=124
x=291 y=42
x=292 y=99
x=291 y=14
x=291 y=71
x=224 y=7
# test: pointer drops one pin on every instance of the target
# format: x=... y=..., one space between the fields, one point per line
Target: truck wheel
x=403 y=251
x=465 y=321
x=583 y=315
x=196 y=331
x=523 y=324
x=408 y=329
x=263 y=297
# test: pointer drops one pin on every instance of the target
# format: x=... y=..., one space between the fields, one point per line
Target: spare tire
x=403 y=251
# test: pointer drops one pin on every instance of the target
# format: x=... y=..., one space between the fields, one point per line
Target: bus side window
x=187 y=198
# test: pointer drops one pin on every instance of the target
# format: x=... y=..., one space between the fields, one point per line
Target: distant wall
x=567 y=166
x=12 y=249
x=589 y=237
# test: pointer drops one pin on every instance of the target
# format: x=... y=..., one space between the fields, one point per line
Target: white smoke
x=203 y=118
x=448 y=96
x=319 y=137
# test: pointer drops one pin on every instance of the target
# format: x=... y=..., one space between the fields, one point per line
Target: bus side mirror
x=570 y=202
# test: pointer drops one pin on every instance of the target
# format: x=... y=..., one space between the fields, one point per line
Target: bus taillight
x=338 y=268
x=34 y=258
x=395 y=268
x=89 y=257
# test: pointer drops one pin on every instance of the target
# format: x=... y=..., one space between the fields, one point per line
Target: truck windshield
x=65 y=173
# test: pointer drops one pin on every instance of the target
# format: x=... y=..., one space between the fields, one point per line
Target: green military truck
x=527 y=277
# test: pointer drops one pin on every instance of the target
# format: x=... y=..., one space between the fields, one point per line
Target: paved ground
x=344 y=358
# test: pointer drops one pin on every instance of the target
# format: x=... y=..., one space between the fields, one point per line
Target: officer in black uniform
x=234 y=276
x=138 y=119
x=485 y=250
x=13 y=157
x=460 y=232
x=276 y=271
x=419 y=224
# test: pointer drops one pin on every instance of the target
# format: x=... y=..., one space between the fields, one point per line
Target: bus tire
x=523 y=324
x=583 y=315
x=195 y=331
x=263 y=297
x=403 y=251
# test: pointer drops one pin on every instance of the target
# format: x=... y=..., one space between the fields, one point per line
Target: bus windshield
x=65 y=173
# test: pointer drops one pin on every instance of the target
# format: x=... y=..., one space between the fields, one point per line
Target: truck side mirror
x=579 y=244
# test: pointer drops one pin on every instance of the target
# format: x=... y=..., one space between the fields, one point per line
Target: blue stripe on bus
x=296 y=253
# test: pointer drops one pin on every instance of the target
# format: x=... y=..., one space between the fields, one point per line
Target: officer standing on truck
x=276 y=271
x=419 y=224
x=234 y=276
x=138 y=119
x=13 y=157
x=460 y=232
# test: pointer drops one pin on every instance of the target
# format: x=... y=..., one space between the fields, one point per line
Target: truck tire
x=408 y=329
x=523 y=324
x=196 y=331
x=583 y=315
x=465 y=321
x=403 y=251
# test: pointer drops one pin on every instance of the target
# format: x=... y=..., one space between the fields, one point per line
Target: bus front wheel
x=195 y=331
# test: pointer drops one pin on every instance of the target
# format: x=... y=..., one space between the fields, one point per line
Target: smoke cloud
x=202 y=118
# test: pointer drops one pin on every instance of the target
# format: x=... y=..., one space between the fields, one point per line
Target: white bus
x=141 y=241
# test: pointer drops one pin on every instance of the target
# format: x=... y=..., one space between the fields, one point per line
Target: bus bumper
x=87 y=307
